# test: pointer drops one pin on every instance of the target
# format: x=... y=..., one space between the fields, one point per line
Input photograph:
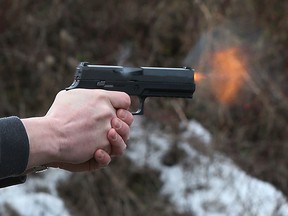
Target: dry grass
x=117 y=190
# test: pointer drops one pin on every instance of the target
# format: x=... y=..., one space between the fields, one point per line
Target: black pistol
x=142 y=82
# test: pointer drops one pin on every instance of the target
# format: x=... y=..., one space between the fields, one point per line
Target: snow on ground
x=29 y=200
x=204 y=185
x=209 y=185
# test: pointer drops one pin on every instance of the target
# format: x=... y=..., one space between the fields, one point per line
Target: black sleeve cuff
x=12 y=181
x=14 y=147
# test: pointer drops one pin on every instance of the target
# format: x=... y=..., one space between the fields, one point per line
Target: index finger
x=119 y=100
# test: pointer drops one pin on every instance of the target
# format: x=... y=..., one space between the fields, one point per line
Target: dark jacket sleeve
x=14 y=151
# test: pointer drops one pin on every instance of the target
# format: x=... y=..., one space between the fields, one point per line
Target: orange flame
x=228 y=74
x=198 y=76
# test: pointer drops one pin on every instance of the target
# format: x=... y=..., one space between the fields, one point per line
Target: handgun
x=142 y=82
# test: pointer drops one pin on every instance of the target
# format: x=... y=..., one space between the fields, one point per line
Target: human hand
x=77 y=126
x=118 y=135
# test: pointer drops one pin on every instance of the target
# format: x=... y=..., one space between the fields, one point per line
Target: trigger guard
x=140 y=110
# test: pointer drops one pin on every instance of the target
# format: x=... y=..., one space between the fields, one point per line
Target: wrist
x=43 y=148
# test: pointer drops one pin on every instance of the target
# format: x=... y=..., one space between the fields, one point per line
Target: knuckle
x=60 y=93
x=101 y=96
x=126 y=99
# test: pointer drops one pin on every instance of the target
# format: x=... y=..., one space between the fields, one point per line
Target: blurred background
x=239 y=52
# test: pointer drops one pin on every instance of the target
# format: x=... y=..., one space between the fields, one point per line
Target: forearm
x=23 y=145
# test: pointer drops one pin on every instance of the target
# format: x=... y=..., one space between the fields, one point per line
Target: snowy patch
x=38 y=196
x=203 y=185
x=210 y=185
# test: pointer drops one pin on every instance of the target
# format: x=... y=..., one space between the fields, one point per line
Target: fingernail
x=101 y=155
x=118 y=124
x=123 y=114
x=114 y=137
